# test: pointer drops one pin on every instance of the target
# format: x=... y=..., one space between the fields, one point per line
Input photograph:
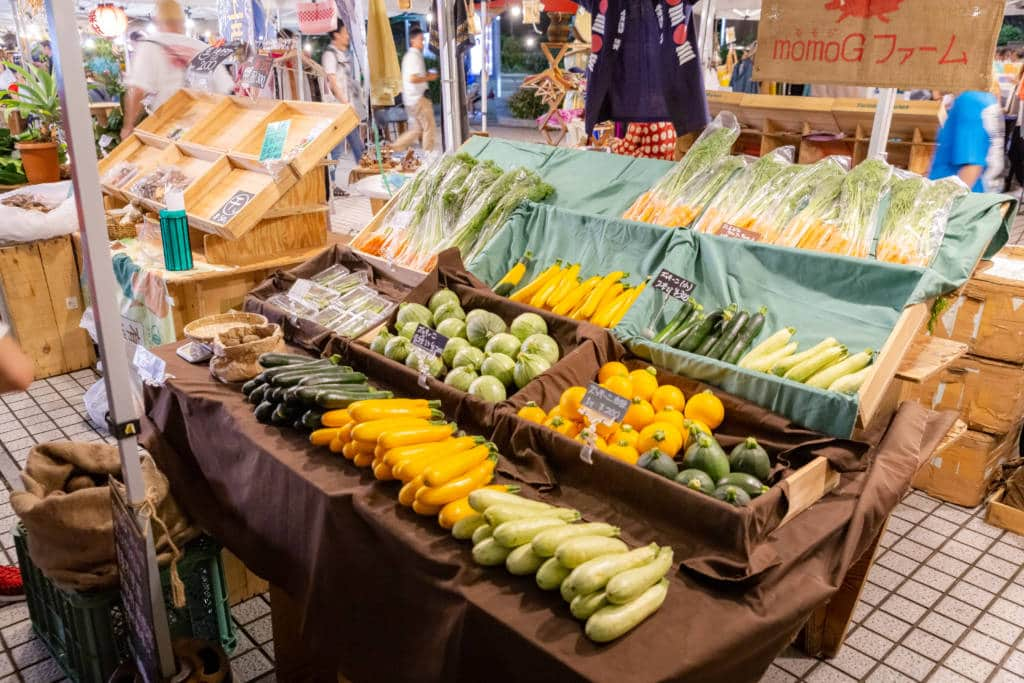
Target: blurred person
x=414 y=88
x=970 y=143
x=16 y=368
x=343 y=86
x=159 y=64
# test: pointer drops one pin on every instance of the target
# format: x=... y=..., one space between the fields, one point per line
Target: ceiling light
x=515 y=10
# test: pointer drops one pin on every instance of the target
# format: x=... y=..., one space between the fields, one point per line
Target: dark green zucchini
x=275 y=360
x=271 y=373
x=677 y=321
x=259 y=393
x=251 y=386
x=339 y=376
x=746 y=337
x=311 y=419
x=695 y=338
x=692 y=323
x=333 y=399
x=284 y=415
x=316 y=378
x=716 y=332
x=729 y=334
x=264 y=411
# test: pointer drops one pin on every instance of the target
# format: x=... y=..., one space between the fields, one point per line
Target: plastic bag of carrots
x=700 y=191
x=915 y=222
x=743 y=188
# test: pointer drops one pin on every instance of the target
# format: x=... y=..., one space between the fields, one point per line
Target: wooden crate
x=305 y=144
x=962 y=473
x=989 y=395
x=988 y=312
x=1003 y=516
x=221 y=185
x=229 y=122
x=44 y=304
x=175 y=117
x=144 y=153
x=195 y=164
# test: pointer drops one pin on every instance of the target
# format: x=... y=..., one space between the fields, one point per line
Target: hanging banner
x=883 y=43
x=236 y=21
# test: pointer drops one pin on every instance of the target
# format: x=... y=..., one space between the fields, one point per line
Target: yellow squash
x=366 y=411
x=476 y=478
x=524 y=294
x=335 y=418
x=407 y=495
x=576 y=296
x=324 y=437
x=590 y=304
x=406 y=437
x=442 y=471
x=371 y=431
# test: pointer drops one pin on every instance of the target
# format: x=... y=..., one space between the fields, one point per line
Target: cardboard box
x=43 y=304
x=962 y=472
x=988 y=394
x=1004 y=516
x=988 y=313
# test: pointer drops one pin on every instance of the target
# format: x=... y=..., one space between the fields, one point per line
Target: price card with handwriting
x=738 y=233
x=429 y=341
x=604 y=405
x=674 y=285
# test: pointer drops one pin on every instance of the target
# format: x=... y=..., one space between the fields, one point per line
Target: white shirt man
x=417 y=105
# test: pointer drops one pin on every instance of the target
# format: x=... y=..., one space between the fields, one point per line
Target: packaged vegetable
x=742 y=188
x=915 y=223
x=699 y=191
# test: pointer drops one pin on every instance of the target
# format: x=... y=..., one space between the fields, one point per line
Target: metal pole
x=125 y=403
x=300 y=77
x=22 y=39
x=449 y=114
x=707 y=33
x=882 y=123
x=484 y=46
x=496 y=54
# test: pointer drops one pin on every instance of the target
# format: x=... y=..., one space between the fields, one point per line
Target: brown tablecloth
x=386 y=595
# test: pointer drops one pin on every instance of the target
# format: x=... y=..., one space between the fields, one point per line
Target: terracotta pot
x=40 y=161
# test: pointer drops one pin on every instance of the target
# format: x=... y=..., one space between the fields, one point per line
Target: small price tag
x=273 y=139
x=738 y=233
x=431 y=342
x=300 y=289
x=673 y=285
x=604 y=405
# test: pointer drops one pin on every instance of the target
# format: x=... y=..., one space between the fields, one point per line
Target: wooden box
x=175 y=117
x=143 y=152
x=233 y=195
x=194 y=164
x=43 y=304
x=988 y=312
x=1003 y=516
x=305 y=144
x=962 y=473
x=989 y=395
x=229 y=122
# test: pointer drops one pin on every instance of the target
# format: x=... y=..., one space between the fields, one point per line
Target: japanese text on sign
x=429 y=341
x=673 y=285
x=738 y=233
x=604 y=404
x=885 y=43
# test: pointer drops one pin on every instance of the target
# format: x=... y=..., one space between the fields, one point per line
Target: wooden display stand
x=772 y=121
x=241 y=210
x=42 y=302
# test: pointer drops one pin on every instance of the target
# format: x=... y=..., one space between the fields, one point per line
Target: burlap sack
x=66 y=509
x=236 y=352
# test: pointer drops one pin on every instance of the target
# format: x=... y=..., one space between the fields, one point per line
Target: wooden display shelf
x=229 y=122
x=237 y=189
x=175 y=117
x=927 y=357
x=305 y=143
x=135 y=149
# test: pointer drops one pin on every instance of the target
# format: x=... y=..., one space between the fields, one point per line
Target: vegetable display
x=483 y=356
x=600 y=299
x=827 y=365
x=723 y=334
x=915 y=224
x=456 y=202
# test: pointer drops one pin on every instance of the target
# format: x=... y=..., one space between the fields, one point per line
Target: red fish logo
x=864 y=9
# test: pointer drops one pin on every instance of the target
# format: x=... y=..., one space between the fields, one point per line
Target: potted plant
x=37 y=101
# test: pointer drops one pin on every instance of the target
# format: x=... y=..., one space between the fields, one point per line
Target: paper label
x=232 y=207
x=606 y=406
x=673 y=285
x=273 y=139
x=738 y=233
x=257 y=72
x=209 y=59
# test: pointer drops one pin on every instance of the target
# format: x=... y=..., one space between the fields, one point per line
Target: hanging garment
x=644 y=64
x=741 y=77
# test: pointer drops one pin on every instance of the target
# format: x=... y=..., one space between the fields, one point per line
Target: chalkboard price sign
x=209 y=59
x=257 y=72
x=133 y=567
x=232 y=207
x=429 y=341
x=604 y=403
x=673 y=285
x=738 y=233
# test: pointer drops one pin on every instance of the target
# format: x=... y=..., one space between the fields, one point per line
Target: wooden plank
x=182 y=110
x=808 y=485
x=27 y=298
x=271 y=237
x=873 y=391
x=908 y=116
x=66 y=301
x=1002 y=515
x=927 y=357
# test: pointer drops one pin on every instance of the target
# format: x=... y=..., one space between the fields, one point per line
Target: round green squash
x=659 y=463
x=706 y=455
x=749 y=483
x=748 y=457
x=733 y=495
x=698 y=480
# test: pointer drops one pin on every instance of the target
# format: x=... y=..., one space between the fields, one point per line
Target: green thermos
x=174 y=233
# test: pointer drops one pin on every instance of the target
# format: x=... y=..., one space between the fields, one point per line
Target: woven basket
x=317 y=17
x=205 y=329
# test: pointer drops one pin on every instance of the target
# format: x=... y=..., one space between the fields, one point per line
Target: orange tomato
x=645 y=382
x=624 y=451
x=532 y=412
x=661 y=435
x=639 y=415
x=619 y=385
x=569 y=404
x=667 y=395
x=690 y=427
x=706 y=408
x=588 y=436
x=606 y=431
x=555 y=412
x=671 y=415
x=628 y=434
x=563 y=426
x=611 y=369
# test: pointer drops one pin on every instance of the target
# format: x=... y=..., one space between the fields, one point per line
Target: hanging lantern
x=531 y=11
x=108 y=20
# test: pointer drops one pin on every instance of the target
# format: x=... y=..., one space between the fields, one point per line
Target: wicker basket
x=205 y=329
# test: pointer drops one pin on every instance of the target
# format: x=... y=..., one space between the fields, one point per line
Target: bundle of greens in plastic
x=814 y=225
x=859 y=206
x=743 y=188
x=915 y=224
x=712 y=146
x=484 y=214
x=699 y=192
x=789 y=193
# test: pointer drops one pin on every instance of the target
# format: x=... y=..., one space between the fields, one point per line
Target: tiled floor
x=944 y=601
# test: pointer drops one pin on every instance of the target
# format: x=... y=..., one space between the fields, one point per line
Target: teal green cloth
x=857 y=301
x=592 y=182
